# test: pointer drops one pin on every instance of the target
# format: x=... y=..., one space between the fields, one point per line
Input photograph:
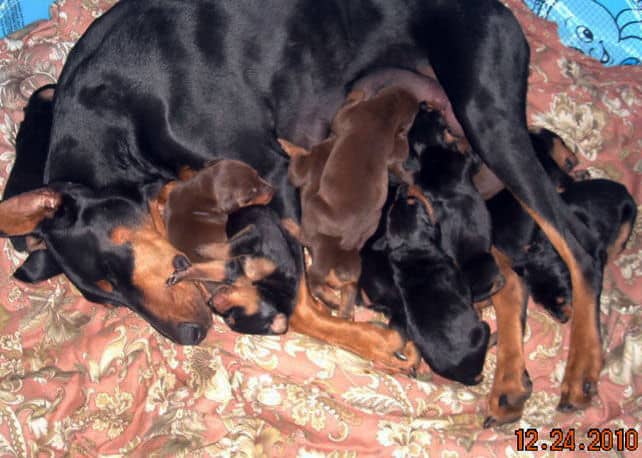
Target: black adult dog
x=155 y=85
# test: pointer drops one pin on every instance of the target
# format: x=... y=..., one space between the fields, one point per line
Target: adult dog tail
x=32 y=146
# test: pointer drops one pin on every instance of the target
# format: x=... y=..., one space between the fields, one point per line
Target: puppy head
x=236 y=292
x=428 y=130
x=410 y=223
x=391 y=108
x=245 y=311
x=547 y=278
x=234 y=184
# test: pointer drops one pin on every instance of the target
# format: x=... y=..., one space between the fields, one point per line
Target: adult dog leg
x=480 y=56
x=378 y=344
x=512 y=385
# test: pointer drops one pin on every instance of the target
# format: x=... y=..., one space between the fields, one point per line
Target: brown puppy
x=192 y=213
x=343 y=183
x=194 y=210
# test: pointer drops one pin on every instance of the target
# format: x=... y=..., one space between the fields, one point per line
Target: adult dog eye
x=584 y=34
x=181 y=263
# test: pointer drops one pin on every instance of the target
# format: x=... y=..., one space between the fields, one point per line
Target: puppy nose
x=181 y=263
x=190 y=333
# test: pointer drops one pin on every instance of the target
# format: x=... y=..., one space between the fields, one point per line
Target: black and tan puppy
x=607 y=209
x=258 y=293
x=196 y=209
x=253 y=285
x=428 y=298
x=444 y=175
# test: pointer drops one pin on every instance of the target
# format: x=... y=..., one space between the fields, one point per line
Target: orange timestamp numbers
x=596 y=440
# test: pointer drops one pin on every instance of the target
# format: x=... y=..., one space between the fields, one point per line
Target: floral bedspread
x=81 y=379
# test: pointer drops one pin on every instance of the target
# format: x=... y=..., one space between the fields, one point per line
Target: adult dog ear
x=39 y=266
x=23 y=213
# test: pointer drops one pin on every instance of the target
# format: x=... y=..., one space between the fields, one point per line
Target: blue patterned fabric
x=15 y=14
x=607 y=30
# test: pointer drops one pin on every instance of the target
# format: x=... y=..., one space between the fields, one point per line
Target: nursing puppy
x=434 y=305
x=444 y=175
x=195 y=209
x=607 y=209
x=271 y=261
x=343 y=185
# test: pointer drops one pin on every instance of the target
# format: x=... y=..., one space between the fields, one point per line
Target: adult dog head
x=108 y=247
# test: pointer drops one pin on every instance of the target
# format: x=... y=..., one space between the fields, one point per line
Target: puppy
x=210 y=216
x=605 y=207
x=195 y=210
x=254 y=287
x=271 y=261
x=608 y=210
x=428 y=298
x=444 y=175
x=437 y=312
x=343 y=185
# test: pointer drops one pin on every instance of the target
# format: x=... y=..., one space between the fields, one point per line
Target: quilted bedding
x=81 y=379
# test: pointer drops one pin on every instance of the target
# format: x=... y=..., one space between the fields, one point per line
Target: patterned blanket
x=81 y=379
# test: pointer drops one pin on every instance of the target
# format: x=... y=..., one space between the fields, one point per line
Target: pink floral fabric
x=82 y=379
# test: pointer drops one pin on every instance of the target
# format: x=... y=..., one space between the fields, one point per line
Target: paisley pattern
x=80 y=379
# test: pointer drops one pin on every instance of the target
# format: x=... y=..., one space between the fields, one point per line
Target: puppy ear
x=39 y=266
x=291 y=149
x=354 y=97
x=22 y=214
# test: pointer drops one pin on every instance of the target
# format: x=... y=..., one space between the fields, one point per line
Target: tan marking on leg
x=415 y=191
x=366 y=340
x=508 y=394
x=105 y=285
x=585 y=360
x=258 y=268
x=293 y=228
